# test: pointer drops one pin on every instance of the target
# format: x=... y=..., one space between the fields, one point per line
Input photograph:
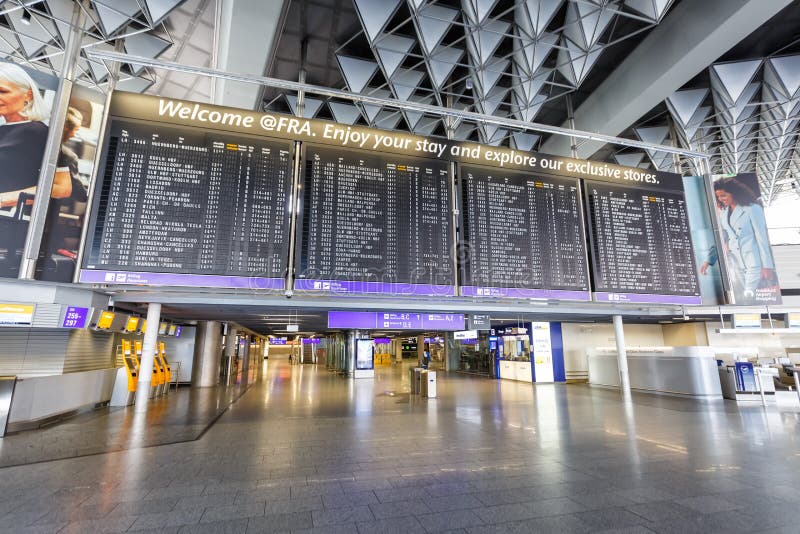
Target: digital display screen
x=641 y=245
x=375 y=223
x=522 y=235
x=105 y=320
x=131 y=324
x=189 y=206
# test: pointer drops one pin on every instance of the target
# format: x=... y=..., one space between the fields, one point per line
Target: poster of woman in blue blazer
x=745 y=241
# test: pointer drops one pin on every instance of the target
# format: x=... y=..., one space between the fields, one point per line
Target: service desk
x=682 y=371
x=516 y=370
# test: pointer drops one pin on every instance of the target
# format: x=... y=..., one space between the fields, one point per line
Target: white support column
x=622 y=358
x=44 y=188
x=205 y=367
x=148 y=356
x=230 y=352
x=244 y=357
x=352 y=336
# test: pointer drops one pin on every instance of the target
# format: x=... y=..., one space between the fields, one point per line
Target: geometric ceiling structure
x=34 y=33
x=748 y=118
x=497 y=57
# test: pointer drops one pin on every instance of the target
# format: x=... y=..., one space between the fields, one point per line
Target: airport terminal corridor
x=304 y=449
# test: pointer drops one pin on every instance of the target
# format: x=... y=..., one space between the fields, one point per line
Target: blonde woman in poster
x=23 y=136
x=746 y=241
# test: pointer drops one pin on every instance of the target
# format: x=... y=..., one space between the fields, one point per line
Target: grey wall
x=30 y=352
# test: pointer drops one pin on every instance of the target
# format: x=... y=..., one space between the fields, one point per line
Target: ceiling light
x=26 y=17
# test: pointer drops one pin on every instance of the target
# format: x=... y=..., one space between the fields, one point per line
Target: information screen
x=375 y=223
x=522 y=235
x=641 y=245
x=188 y=206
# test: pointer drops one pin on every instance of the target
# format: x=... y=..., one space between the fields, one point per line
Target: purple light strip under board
x=523 y=293
x=179 y=279
x=646 y=298
x=385 y=288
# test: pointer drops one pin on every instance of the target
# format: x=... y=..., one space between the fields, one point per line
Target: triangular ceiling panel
x=531 y=54
x=392 y=50
x=524 y=141
x=413 y=117
x=734 y=77
x=684 y=103
x=575 y=63
x=114 y=15
x=146 y=45
x=533 y=16
x=344 y=113
x=33 y=36
x=426 y=126
x=652 y=134
x=357 y=72
x=786 y=71
x=310 y=106
x=371 y=111
x=482 y=42
x=478 y=10
x=434 y=21
x=374 y=15
x=630 y=159
x=652 y=9
x=388 y=120
x=405 y=82
x=442 y=63
x=586 y=22
x=158 y=9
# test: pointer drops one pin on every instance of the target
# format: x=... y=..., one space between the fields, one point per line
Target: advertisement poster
x=744 y=241
x=66 y=213
x=26 y=97
x=702 y=229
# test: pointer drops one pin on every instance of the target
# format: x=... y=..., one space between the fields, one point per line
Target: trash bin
x=423 y=383
x=430 y=384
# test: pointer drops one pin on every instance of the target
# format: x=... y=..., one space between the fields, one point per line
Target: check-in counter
x=516 y=370
x=682 y=371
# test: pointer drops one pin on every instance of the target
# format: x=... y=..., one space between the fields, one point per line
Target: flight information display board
x=522 y=235
x=641 y=245
x=190 y=206
x=375 y=223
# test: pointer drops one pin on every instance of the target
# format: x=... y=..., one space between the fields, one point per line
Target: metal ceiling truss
x=384 y=103
x=34 y=33
x=506 y=58
x=747 y=118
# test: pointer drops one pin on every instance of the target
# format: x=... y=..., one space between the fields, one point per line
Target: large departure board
x=375 y=223
x=189 y=206
x=641 y=245
x=522 y=235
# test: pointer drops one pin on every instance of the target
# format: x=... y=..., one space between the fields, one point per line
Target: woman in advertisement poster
x=746 y=241
x=23 y=136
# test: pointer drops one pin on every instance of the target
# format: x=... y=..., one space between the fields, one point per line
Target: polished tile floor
x=305 y=450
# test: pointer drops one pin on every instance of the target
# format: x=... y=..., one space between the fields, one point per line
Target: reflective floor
x=307 y=450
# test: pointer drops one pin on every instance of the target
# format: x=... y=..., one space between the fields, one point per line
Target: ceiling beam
x=246 y=34
x=690 y=38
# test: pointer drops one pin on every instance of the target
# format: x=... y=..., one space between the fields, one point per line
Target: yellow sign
x=747 y=320
x=105 y=320
x=12 y=314
x=132 y=323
